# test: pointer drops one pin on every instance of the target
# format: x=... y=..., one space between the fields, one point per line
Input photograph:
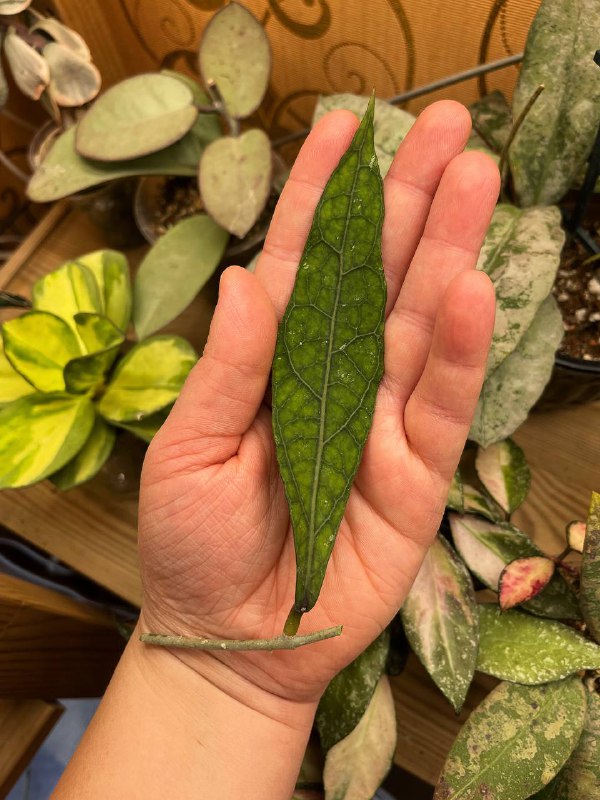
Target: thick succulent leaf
x=235 y=54
x=39 y=434
x=90 y=459
x=391 y=124
x=509 y=393
x=102 y=340
x=479 y=502
x=486 y=548
x=174 y=271
x=348 y=695
x=39 y=345
x=502 y=469
x=3 y=82
x=456 y=497
x=514 y=742
x=63 y=35
x=13 y=6
x=521 y=254
x=518 y=647
x=146 y=428
x=136 y=117
x=206 y=128
x=329 y=358
x=590 y=570
x=29 y=69
x=73 y=80
x=492 y=119
x=111 y=271
x=440 y=620
x=67 y=291
x=576 y=535
x=235 y=179
x=12 y=384
x=64 y=172
x=523 y=579
x=579 y=779
x=356 y=766
x=557 y=135
x=147 y=379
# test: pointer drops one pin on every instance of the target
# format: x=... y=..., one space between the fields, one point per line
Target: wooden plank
x=24 y=724
x=53 y=646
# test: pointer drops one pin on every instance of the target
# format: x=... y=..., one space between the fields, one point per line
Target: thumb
x=223 y=392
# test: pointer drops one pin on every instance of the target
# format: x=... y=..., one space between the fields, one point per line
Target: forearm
x=164 y=730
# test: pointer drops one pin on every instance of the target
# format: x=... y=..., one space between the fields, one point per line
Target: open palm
x=216 y=548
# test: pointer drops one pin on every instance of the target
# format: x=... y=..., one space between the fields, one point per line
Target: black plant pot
x=573 y=381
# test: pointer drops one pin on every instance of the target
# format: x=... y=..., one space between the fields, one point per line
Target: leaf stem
x=515 y=128
x=283 y=642
x=292 y=623
x=217 y=98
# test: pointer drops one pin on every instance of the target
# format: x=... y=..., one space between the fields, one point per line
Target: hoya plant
x=69 y=379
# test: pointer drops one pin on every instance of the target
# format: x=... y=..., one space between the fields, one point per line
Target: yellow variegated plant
x=63 y=387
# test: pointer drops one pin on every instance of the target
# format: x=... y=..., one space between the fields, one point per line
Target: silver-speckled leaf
x=514 y=742
x=513 y=388
x=523 y=649
x=521 y=254
x=440 y=620
x=492 y=119
x=356 y=766
x=557 y=135
x=391 y=124
x=503 y=470
x=486 y=548
x=235 y=179
x=590 y=569
x=74 y=81
x=579 y=779
x=235 y=54
x=135 y=118
x=90 y=459
x=29 y=69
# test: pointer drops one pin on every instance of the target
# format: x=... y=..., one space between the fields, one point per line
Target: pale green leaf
x=235 y=54
x=13 y=6
x=492 y=119
x=135 y=118
x=391 y=124
x=74 y=81
x=348 y=695
x=557 y=135
x=147 y=379
x=174 y=271
x=67 y=291
x=518 y=647
x=521 y=254
x=206 y=128
x=514 y=742
x=503 y=470
x=456 y=499
x=102 y=340
x=509 y=393
x=356 y=766
x=90 y=459
x=579 y=779
x=39 y=434
x=476 y=501
x=29 y=69
x=440 y=621
x=12 y=384
x=39 y=345
x=146 y=428
x=235 y=179
x=590 y=569
x=111 y=271
x=487 y=547
x=63 y=35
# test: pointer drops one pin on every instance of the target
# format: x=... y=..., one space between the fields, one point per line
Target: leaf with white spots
x=492 y=119
x=576 y=535
x=590 y=569
x=523 y=579
x=518 y=647
x=503 y=470
x=514 y=742
x=440 y=620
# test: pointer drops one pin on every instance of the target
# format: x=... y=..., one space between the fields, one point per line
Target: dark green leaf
x=456 y=500
x=479 y=502
x=503 y=470
x=440 y=620
x=492 y=119
x=89 y=459
x=329 y=358
x=514 y=742
x=518 y=647
x=590 y=569
x=350 y=692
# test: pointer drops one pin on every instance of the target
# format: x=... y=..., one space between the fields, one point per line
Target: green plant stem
x=292 y=623
x=515 y=129
x=217 y=98
x=283 y=642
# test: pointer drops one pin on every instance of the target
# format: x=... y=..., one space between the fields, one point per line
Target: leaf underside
x=329 y=358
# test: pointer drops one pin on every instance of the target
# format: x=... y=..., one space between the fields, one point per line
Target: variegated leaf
x=440 y=620
x=60 y=33
x=111 y=271
x=391 y=124
x=356 y=766
x=39 y=345
x=503 y=470
x=74 y=80
x=146 y=428
x=576 y=535
x=518 y=647
x=147 y=379
x=492 y=119
x=487 y=547
x=39 y=434
x=12 y=384
x=456 y=499
x=514 y=742
x=90 y=459
x=590 y=570
x=66 y=291
x=557 y=135
x=29 y=69
x=102 y=340
x=478 y=502
x=523 y=579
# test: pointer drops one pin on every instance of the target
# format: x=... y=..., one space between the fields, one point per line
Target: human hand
x=216 y=549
